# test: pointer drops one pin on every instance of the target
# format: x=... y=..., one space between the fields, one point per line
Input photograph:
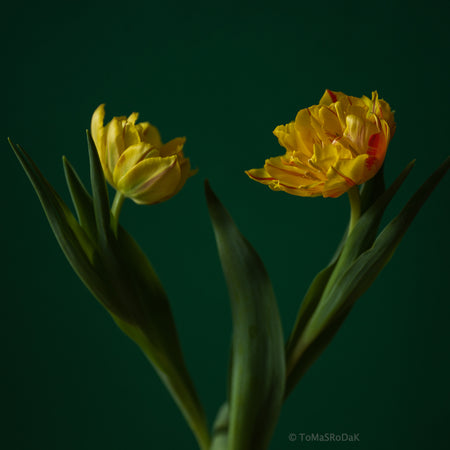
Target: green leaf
x=151 y=325
x=120 y=276
x=371 y=190
x=72 y=239
x=82 y=200
x=99 y=195
x=258 y=365
x=343 y=293
x=364 y=233
x=308 y=306
x=307 y=355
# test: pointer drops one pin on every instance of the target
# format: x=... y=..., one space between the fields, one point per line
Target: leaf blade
x=68 y=233
x=99 y=194
x=258 y=365
x=81 y=199
x=364 y=270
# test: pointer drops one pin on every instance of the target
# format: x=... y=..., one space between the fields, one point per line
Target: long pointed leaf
x=151 y=325
x=70 y=236
x=308 y=306
x=363 y=272
x=99 y=194
x=364 y=233
x=258 y=365
x=174 y=375
x=372 y=190
x=81 y=199
x=309 y=354
x=132 y=293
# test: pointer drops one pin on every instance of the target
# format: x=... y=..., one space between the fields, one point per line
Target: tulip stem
x=115 y=211
x=355 y=206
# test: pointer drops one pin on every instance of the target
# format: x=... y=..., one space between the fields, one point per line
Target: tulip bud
x=136 y=162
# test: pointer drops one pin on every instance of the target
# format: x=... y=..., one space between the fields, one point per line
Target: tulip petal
x=149 y=133
x=130 y=132
x=130 y=157
x=289 y=174
x=172 y=147
x=185 y=173
x=312 y=190
x=321 y=135
x=99 y=132
x=386 y=114
x=114 y=143
x=358 y=131
x=335 y=185
x=329 y=97
x=133 y=117
x=260 y=175
x=324 y=156
x=151 y=180
x=329 y=121
x=97 y=125
x=306 y=132
x=288 y=137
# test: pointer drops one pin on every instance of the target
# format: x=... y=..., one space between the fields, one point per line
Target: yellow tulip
x=330 y=147
x=136 y=162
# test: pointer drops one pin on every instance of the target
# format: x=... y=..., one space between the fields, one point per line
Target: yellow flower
x=330 y=147
x=136 y=162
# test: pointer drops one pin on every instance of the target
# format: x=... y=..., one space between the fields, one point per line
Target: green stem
x=355 y=206
x=115 y=210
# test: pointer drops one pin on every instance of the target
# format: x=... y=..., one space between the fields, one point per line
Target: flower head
x=330 y=147
x=136 y=162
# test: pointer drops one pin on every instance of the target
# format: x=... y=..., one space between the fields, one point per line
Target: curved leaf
x=258 y=365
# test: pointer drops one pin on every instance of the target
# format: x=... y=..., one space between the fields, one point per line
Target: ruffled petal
x=358 y=131
x=353 y=171
x=288 y=137
x=330 y=147
x=133 y=117
x=324 y=157
x=260 y=175
x=329 y=97
x=289 y=174
x=335 y=186
x=305 y=131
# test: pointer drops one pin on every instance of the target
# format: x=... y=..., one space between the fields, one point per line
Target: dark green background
x=224 y=75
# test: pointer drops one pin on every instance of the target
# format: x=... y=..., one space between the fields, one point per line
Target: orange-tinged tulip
x=330 y=147
x=136 y=162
